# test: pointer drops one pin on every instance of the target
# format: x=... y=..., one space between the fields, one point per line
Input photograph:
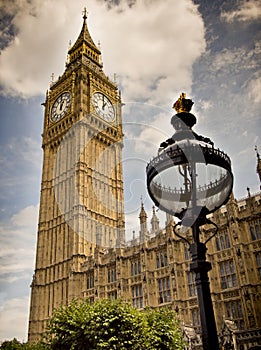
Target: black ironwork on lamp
x=189 y=179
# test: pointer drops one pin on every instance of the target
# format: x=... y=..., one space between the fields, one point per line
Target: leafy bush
x=113 y=325
x=107 y=325
x=16 y=345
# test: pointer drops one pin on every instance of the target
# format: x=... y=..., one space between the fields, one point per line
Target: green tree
x=106 y=324
x=11 y=345
x=113 y=325
x=16 y=345
x=165 y=331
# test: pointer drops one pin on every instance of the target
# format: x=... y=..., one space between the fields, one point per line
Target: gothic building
x=82 y=214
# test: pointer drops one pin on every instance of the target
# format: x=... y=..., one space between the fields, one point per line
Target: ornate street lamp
x=190 y=179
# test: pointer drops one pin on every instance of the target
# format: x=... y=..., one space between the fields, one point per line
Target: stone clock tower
x=81 y=205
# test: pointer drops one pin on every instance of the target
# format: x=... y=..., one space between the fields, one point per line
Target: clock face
x=103 y=107
x=60 y=106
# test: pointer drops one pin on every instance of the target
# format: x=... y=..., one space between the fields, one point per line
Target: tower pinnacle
x=143 y=224
x=258 y=167
x=84 y=14
x=154 y=222
x=84 y=45
x=143 y=215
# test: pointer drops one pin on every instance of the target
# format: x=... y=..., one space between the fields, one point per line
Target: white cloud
x=247 y=10
x=17 y=255
x=151 y=52
x=20 y=166
x=39 y=48
x=14 y=319
x=254 y=90
x=206 y=105
x=17 y=237
x=24 y=149
x=143 y=43
x=235 y=60
x=26 y=217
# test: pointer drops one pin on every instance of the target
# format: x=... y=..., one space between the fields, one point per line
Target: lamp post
x=190 y=179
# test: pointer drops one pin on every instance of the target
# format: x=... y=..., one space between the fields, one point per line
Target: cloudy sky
x=208 y=49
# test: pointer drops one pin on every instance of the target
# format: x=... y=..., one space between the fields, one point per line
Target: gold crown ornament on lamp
x=183 y=104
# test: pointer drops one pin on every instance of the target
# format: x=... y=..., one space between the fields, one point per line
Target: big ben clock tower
x=81 y=204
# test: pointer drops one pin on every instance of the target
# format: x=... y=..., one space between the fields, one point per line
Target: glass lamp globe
x=188 y=178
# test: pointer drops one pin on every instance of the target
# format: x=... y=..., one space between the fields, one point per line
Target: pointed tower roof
x=84 y=44
x=154 y=222
x=154 y=216
x=258 y=167
x=143 y=215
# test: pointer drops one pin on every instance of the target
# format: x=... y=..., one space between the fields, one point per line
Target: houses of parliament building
x=81 y=247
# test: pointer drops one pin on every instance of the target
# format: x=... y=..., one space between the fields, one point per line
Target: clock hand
x=103 y=102
x=61 y=105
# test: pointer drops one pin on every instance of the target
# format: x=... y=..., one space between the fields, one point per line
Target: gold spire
x=183 y=104
x=84 y=44
x=143 y=215
x=84 y=14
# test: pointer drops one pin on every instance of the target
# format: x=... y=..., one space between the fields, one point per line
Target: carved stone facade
x=156 y=272
x=81 y=214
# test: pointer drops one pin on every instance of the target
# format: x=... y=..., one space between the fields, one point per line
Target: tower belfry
x=81 y=203
x=84 y=45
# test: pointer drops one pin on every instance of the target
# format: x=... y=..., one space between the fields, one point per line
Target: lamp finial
x=183 y=104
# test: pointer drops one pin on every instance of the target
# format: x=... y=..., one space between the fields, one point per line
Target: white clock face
x=60 y=106
x=103 y=107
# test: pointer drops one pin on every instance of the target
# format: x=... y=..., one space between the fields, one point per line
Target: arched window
x=157 y=262
x=217 y=244
x=161 y=259
x=165 y=260
x=227 y=241
x=258 y=233
x=252 y=233
x=186 y=253
x=222 y=242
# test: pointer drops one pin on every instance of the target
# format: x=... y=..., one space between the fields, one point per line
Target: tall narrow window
x=228 y=274
x=90 y=280
x=195 y=317
x=258 y=263
x=255 y=230
x=222 y=241
x=137 y=296
x=252 y=233
x=135 y=267
x=112 y=295
x=164 y=290
x=191 y=284
x=161 y=259
x=111 y=273
x=186 y=253
x=217 y=244
x=234 y=312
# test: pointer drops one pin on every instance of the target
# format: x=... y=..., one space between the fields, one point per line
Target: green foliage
x=16 y=345
x=106 y=324
x=165 y=331
x=11 y=345
x=113 y=325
